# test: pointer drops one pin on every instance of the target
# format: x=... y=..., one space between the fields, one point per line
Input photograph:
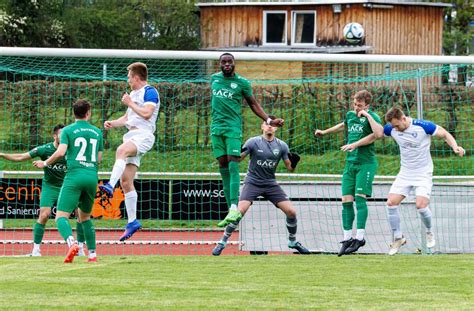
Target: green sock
x=234 y=182
x=362 y=211
x=80 y=233
x=226 y=183
x=64 y=227
x=38 y=233
x=347 y=215
x=89 y=233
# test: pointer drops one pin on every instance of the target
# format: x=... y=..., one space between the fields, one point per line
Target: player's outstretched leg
x=71 y=253
x=430 y=239
x=229 y=229
x=130 y=230
x=107 y=189
x=292 y=227
x=233 y=216
x=396 y=244
x=299 y=247
x=344 y=246
x=355 y=245
x=216 y=251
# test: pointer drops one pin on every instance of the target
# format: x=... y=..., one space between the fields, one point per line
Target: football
x=353 y=33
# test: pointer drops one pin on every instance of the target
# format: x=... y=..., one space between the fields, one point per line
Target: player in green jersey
x=82 y=144
x=228 y=89
x=51 y=185
x=359 y=170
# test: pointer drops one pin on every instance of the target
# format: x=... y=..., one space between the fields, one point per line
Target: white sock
x=360 y=234
x=347 y=235
x=425 y=214
x=70 y=241
x=394 y=221
x=81 y=245
x=36 y=247
x=117 y=171
x=233 y=207
x=131 y=205
x=92 y=254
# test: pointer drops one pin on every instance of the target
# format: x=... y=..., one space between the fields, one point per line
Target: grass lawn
x=240 y=282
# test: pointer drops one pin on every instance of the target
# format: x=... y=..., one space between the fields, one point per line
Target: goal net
x=179 y=188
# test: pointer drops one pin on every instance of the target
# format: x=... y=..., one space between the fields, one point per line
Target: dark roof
x=368 y=3
x=317 y=49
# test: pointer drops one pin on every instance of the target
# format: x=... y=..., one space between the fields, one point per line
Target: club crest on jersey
x=233 y=85
x=276 y=152
x=362 y=120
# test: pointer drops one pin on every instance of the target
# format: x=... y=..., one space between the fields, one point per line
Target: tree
x=125 y=24
x=32 y=23
x=456 y=35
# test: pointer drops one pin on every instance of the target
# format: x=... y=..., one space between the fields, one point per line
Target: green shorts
x=223 y=145
x=49 y=195
x=358 y=178
x=78 y=191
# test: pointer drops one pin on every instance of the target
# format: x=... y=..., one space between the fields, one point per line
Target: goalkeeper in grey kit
x=265 y=152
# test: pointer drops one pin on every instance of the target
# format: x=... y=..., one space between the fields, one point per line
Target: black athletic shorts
x=273 y=193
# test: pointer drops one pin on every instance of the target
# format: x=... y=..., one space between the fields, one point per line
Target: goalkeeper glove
x=294 y=159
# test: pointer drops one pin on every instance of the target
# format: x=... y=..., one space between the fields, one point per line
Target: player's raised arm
x=375 y=125
x=450 y=140
x=116 y=123
x=335 y=129
x=145 y=111
x=258 y=110
x=15 y=157
x=367 y=140
x=58 y=154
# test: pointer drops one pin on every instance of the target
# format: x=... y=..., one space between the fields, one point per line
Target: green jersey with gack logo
x=227 y=94
x=358 y=128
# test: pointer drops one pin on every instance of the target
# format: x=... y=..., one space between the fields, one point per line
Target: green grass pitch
x=359 y=282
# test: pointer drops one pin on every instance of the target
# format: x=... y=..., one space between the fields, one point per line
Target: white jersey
x=414 y=143
x=147 y=95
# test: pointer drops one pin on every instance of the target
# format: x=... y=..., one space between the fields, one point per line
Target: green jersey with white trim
x=358 y=128
x=53 y=173
x=84 y=141
x=227 y=94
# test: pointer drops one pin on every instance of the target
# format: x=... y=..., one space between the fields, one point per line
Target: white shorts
x=422 y=185
x=143 y=140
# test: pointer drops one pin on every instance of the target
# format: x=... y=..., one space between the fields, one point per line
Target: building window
x=303 y=28
x=274 y=28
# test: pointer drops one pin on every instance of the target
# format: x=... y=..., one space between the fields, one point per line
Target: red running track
x=146 y=242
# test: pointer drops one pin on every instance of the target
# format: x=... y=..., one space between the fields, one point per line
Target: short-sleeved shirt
x=227 y=94
x=264 y=158
x=53 y=173
x=84 y=141
x=147 y=95
x=358 y=128
x=414 y=143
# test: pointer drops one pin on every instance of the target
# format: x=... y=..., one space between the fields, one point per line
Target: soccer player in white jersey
x=416 y=169
x=143 y=105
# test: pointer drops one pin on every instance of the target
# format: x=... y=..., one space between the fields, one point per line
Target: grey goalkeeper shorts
x=273 y=193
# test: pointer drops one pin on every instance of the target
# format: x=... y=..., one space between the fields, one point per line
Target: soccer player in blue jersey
x=143 y=105
x=265 y=152
x=416 y=169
